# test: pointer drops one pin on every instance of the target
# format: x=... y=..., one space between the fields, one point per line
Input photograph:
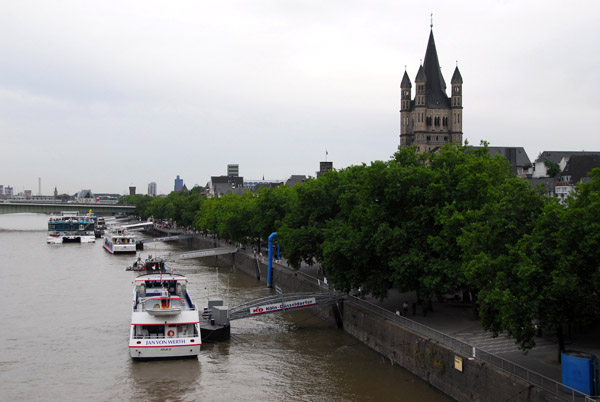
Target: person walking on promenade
x=405 y=309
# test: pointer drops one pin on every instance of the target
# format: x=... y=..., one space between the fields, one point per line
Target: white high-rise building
x=152 y=189
x=233 y=170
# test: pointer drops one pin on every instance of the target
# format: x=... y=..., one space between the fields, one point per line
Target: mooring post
x=270 y=270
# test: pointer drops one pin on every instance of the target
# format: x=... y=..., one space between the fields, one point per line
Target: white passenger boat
x=100 y=227
x=164 y=320
x=69 y=227
x=119 y=240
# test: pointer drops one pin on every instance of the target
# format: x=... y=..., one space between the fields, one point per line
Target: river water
x=65 y=324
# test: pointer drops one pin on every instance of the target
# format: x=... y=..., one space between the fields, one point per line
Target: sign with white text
x=269 y=308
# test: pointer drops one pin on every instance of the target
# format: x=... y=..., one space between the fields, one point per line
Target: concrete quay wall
x=435 y=363
x=426 y=358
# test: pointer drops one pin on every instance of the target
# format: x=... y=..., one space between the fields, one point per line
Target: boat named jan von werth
x=119 y=240
x=164 y=320
x=69 y=227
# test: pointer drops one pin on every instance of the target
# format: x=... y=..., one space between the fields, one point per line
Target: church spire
x=436 y=86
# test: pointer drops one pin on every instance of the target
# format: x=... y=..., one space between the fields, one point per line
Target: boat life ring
x=171 y=333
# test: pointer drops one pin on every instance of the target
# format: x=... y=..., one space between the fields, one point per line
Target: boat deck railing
x=184 y=302
x=147 y=335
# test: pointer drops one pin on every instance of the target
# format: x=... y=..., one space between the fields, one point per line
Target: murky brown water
x=65 y=322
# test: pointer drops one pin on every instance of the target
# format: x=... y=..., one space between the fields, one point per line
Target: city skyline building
x=233 y=170
x=324 y=167
x=152 y=189
x=178 y=184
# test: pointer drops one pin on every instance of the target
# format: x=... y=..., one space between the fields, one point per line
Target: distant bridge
x=56 y=208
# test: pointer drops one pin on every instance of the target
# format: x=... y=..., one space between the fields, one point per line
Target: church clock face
x=405 y=93
x=457 y=90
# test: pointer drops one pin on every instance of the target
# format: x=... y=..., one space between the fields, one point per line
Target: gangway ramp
x=165 y=238
x=282 y=302
x=211 y=252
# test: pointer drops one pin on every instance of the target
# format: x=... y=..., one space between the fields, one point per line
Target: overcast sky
x=103 y=95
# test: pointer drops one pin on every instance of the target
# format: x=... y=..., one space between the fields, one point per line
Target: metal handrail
x=556 y=388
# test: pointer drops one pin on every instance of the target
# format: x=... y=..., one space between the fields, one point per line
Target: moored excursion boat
x=164 y=320
x=69 y=227
x=100 y=227
x=150 y=264
x=119 y=240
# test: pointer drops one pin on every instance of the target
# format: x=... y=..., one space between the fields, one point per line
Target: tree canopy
x=433 y=223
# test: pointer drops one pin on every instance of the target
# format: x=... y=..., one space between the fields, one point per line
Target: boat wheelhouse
x=150 y=264
x=69 y=227
x=164 y=320
x=119 y=241
x=100 y=227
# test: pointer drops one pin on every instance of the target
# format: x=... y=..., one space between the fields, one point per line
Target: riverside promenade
x=456 y=320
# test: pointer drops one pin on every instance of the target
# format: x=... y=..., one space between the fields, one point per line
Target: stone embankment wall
x=429 y=360
x=435 y=363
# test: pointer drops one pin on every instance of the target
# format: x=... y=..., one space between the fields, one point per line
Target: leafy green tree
x=230 y=216
x=354 y=242
x=141 y=203
x=310 y=206
x=550 y=277
x=437 y=196
x=271 y=207
x=207 y=217
x=552 y=168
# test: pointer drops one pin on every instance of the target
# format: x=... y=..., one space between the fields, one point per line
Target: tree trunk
x=560 y=336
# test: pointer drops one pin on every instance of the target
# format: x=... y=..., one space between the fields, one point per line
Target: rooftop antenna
x=431 y=25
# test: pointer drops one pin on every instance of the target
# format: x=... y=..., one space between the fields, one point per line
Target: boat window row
x=164 y=331
x=121 y=240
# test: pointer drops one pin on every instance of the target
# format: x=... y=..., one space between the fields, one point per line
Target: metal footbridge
x=211 y=252
x=164 y=238
x=282 y=302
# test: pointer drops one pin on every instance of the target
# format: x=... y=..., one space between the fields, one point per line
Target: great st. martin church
x=431 y=119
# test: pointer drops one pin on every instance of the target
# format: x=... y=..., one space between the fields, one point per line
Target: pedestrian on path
x=405 y=309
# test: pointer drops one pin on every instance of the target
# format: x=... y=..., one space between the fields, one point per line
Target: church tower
x=431 y=119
